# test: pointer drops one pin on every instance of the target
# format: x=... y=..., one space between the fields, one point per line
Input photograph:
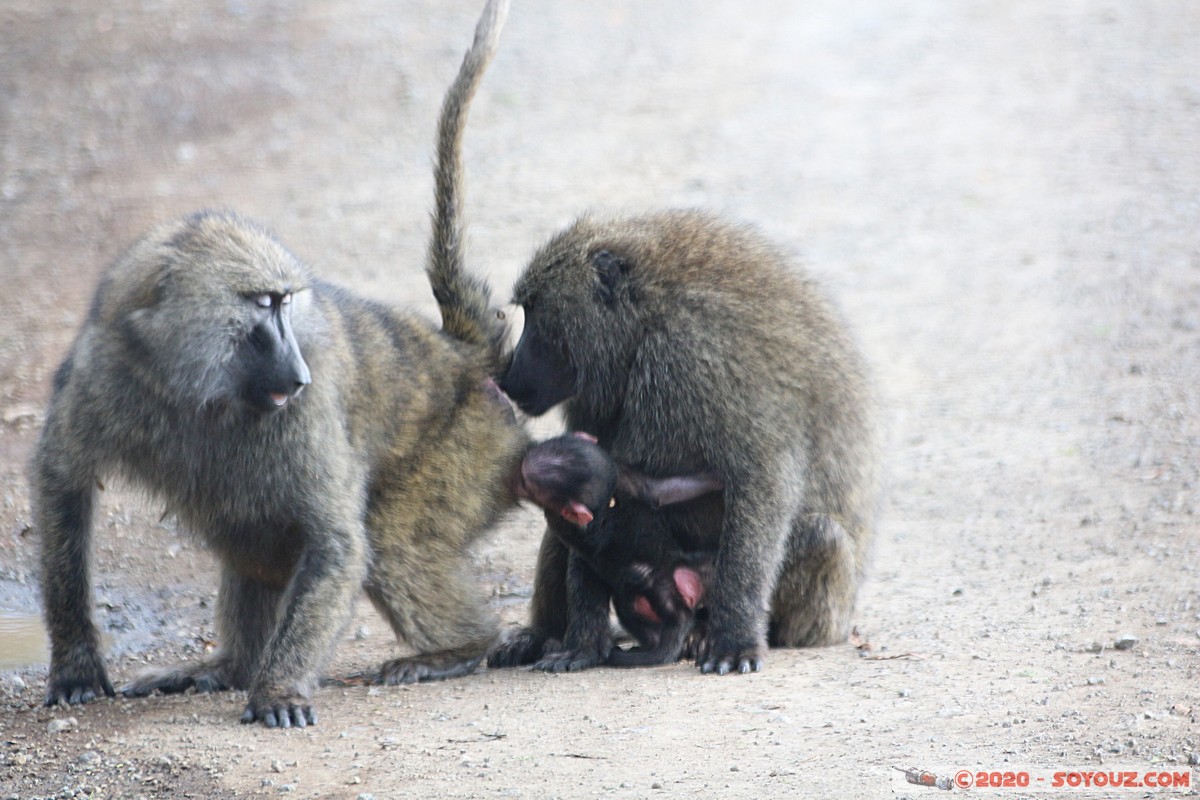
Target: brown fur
x=688 y=344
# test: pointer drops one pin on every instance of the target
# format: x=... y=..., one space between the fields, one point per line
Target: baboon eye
x=261 y=300
x=612 y=502
x=287 y=298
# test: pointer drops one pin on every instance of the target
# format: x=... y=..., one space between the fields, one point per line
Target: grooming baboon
x=620 y=529
x=687 y=345
x=186 y=378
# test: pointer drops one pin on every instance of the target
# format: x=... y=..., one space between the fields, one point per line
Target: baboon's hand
x=570 y=660
x=723 y=654
x=80 y=680
x=280 y=711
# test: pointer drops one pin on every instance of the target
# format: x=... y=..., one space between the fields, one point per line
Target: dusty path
x=1005 y=199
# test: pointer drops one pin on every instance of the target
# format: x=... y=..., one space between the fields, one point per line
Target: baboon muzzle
x=278 y=371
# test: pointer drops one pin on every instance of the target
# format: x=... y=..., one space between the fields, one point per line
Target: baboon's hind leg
x=247 y=613
x=433 y=604
x=817 y=586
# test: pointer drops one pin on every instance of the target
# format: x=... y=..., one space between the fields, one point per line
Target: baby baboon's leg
x=817 y=586
x=247 y=612
x=588 y=639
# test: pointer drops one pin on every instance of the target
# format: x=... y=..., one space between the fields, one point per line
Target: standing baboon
x=186 y=378
x=614 y=518
x=689 y=345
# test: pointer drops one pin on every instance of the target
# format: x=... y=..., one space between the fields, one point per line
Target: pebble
x=365 y=796
x=1126 y=642
x=60 y=725
x=1095 y=681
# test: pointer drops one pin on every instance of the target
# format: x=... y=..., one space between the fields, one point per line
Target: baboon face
x=245 y=289
x=581 y=319
x=272 y=366
x=541 y=374
x=569 y=475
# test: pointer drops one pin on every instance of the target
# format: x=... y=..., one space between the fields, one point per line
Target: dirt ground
x=1003 y=197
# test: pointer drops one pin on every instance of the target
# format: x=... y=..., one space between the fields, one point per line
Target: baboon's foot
x=203 y=676
x=560 y=659
x=428 y=667
x=522 y=647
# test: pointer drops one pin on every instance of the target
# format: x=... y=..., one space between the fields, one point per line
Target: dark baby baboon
x=688 y=345
x=618 y=524
x=317 y=442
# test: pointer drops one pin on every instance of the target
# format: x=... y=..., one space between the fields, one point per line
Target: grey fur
x=381 y=473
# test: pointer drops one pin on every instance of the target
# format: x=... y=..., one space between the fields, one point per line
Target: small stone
x=657 y=785
x=365 y=796
x=1194 y=758
x=276 y=766
x=286 y=788
x=1095 y=681
x=60 y=725
x=1125 y=642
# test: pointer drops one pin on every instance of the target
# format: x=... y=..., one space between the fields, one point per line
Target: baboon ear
x=689 y=585
x=576 y=513
x=609 y=269
x=660 y=492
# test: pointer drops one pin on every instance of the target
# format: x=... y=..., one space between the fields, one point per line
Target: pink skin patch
x=687 y=581
x=641 y=607
x=577 y=513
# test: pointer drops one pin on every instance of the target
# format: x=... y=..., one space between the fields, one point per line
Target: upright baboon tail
x=464 y=299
